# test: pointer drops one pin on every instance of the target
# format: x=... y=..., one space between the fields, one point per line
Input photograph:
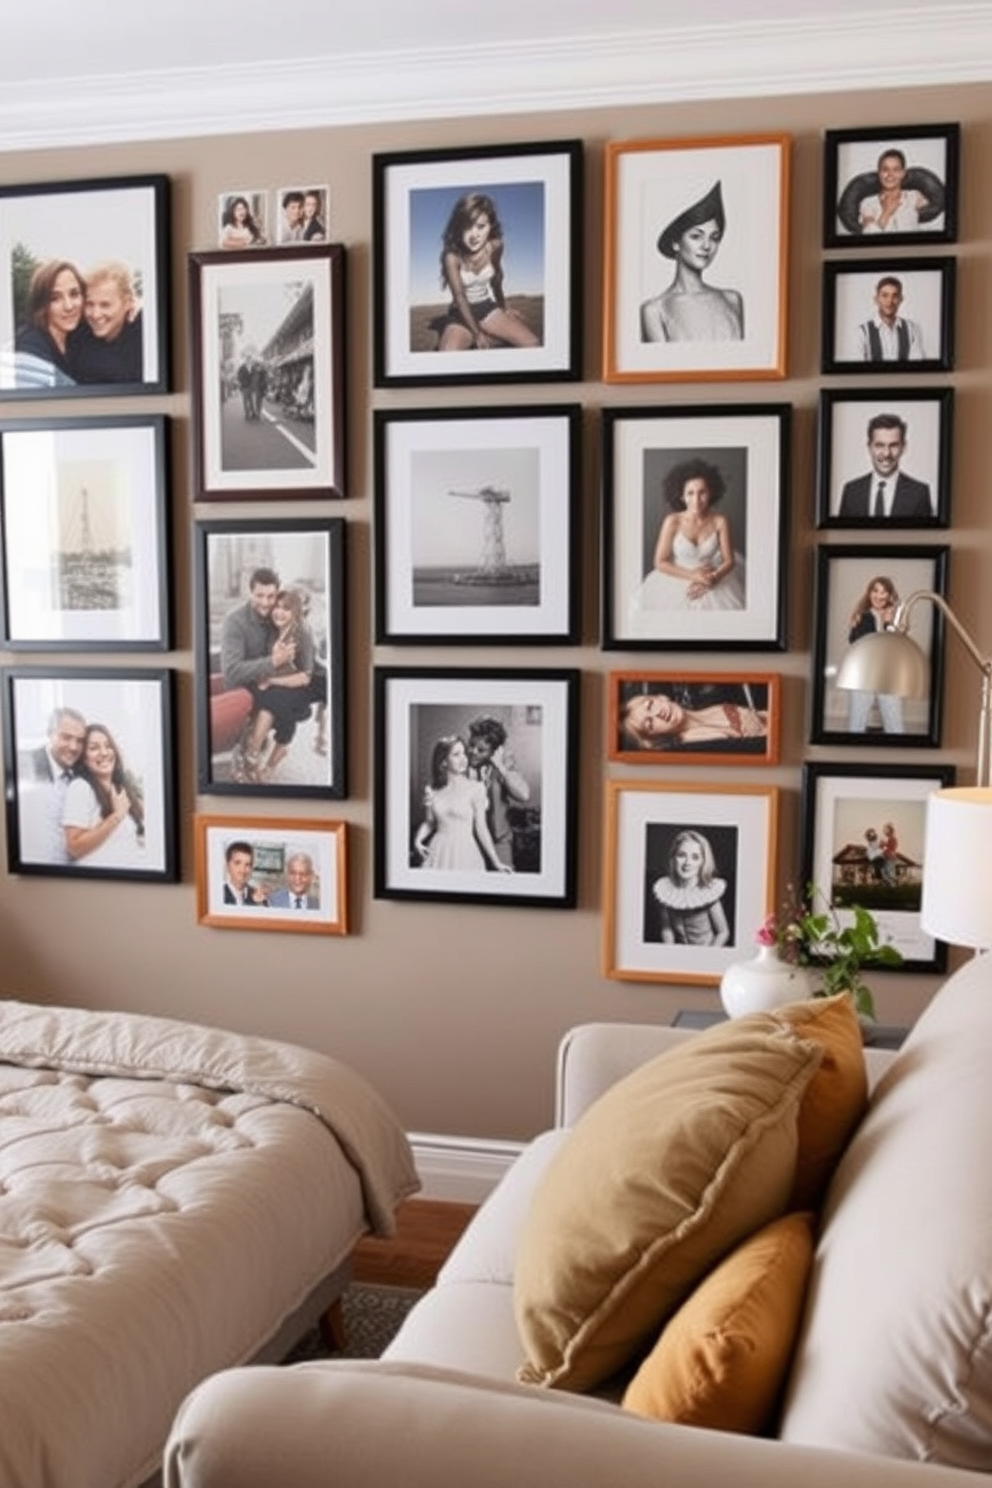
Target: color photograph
x=698 y=718
x=271 y=874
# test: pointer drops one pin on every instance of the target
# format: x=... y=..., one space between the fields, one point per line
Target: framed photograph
x=267 y=338
x=886 y=315
x=694 y=718
x=243 y=220
x=690 y=876
x=478 y=252
x=270 y=657
x=857 y=592
x=477 y=525
x=84 y=534
x=302 y=215
x=696 y=259
x=475 y=785
x=864 y=843
x=84 y=288
x=885 y=458
x=695 y=506
x=891 y=185
x=272 y=874
x=90 y=773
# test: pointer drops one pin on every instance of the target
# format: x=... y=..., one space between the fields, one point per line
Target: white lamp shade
x=888 y=662
x=957 y=872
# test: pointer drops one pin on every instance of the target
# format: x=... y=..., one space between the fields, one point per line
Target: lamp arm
x=900 y=623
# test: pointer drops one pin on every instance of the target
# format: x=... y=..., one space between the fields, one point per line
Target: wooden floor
x=426 y=1232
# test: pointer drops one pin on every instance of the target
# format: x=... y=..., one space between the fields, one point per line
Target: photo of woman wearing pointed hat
x=690 y=309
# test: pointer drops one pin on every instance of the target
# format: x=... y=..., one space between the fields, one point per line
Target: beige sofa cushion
x=662 y=1176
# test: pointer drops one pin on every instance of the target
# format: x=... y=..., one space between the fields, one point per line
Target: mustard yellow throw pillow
x=659 y=1179
x=722 y=1359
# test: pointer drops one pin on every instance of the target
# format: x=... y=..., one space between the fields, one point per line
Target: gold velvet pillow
x=722 y=1359
x=658 y=1179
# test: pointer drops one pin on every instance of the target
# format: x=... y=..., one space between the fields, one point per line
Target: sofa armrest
x=594 y=1056
x=370 y=1424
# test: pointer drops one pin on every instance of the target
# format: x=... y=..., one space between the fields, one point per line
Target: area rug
x=372 y=1317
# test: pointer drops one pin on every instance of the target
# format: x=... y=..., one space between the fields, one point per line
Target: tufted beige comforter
x=169 y=1195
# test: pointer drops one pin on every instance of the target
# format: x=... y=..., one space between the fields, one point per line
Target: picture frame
x=513 y=842
x=840 y=804
x=477 y=525
x=90 y=773
x=920 y=166
x=922 y=340
x=731 y=842
x=267 y=364
x=243 y=219
x=663 y=321
x=302 y=214
x=424 y=200
x=85 y=298
x=845 y=576
x=740 y=451
x=694 y=718
x=257 y=736
x=863 y=439
x=84 y=548
x=296 y=880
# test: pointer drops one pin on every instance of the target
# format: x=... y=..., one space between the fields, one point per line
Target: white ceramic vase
x=764 y=982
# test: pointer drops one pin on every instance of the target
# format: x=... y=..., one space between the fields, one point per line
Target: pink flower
x=767 y=934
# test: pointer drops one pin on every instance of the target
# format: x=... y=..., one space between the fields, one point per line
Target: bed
x=174 y=1199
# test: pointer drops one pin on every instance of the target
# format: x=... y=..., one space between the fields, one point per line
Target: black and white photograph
x=270 y=873
x=243 y=220
x=896 y=185
x=477 y=525
x=475 y=785
x=690 y=874
x=302 y=214
x=888 y=315
x=267 y=337
x=694 y=526
x=84 y=288
x=89 y=770
x=885 y=458
x=270 y=657
x=864 y=843
x=84 y=534
x=694 y=718
x=858 y=593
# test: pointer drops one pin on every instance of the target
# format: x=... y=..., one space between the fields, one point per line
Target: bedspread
x=169 y=1195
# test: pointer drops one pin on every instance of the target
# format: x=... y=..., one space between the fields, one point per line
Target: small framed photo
x=270 y=657
x=90 y=773
x=272 y=874
x=243 y=220
x=888 y=315
x=696 y=259
x=885 y=458
x=690 y=876
x=85 y=310
x=891 y=185
x=302 y=215
x=84 y=534
x=478 y=264
x=477 y=525
x=475 y=785
x=267 y=338
x=858 y=590
x=864 y=843
x=694 y=718
x=694 y=527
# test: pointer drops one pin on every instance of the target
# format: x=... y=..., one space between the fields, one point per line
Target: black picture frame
x=47 y=792
x=477 y=525
x=844 y=575
x=840 y=804
x=108 y=236
x=535 y=189
x=848 y=472
x=84 y=548
x=929 y=189
x=312 y=721
x=744 y=447
x=926 y=286
x=529 y=796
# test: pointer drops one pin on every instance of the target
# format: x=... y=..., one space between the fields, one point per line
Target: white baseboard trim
x=460 y=1170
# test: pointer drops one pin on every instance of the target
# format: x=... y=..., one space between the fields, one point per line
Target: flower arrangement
x=808 y=936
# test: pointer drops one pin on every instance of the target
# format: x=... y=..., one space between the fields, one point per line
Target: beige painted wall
x=455 y=1011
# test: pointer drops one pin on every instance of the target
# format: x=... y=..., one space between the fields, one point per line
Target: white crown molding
x=933 y=44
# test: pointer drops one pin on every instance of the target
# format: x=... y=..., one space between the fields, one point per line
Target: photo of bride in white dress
x=695 y=565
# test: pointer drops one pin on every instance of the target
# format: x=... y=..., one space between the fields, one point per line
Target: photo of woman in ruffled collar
x=690 y=894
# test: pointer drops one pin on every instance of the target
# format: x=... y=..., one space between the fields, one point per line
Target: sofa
x=887 y=1379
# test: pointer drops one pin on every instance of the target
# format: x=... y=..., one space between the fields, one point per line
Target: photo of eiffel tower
x=93 y=572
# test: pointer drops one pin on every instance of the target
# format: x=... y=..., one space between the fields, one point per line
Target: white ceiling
x=95 y=70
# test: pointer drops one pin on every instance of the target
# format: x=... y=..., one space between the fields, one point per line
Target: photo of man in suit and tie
x=886 y=491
